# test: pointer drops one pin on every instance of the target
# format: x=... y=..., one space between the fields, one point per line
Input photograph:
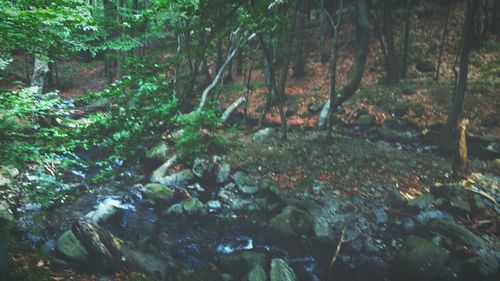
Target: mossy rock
x=456 y=233
x=240 y=263
x=418 y=260
x=193 y=206
x=70 y=247
x=257 y=274
x=159 y=193
x=292 y=221
x=281 y=271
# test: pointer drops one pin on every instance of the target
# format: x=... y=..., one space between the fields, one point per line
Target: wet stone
x=70 y=247
x=380 y=216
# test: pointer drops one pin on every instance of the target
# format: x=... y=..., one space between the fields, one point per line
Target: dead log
x=112 y=251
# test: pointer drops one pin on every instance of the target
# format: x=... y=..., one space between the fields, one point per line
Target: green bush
x=199 y=135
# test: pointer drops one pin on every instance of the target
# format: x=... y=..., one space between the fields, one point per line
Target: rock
x=71 y=248
x=365 y=120
x=214 y=204
x=480 y=269
x=13 y=172
x=425 y=66
x=244 y=183
x=5 y=213
x=257 y=274
x=423 y=202
x=202 y=168
x=241 y=262
x=180 y=178
x=240 y=204
x=418 y=260
x=159 y=193
x=193 y=206
x=223 y=173
x=408 y=225
x=104 y=211
x=456 y=233
x=454 y=195
x=159 y=152
x=281 y=271
x=175 y=209
x=425 y=216
x=380 y=216
x=4 y=181
x=161 y=171
x=292 y=221
x=264 y=135
x=395 y=198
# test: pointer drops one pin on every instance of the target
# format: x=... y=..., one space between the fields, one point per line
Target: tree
x=391 y=56
x=363 y=35
x=406 y=39
x=455 y=130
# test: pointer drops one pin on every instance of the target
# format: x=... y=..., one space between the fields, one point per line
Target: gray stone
x=71 y=248
x=245 y=183
x=214 y=204
x=102 y=213
x=159 y=193
x=4 y=181
x=365 y=120
x=418 y=260
x=180 y=178
x=193 y=206
x=408 y=225
x=423 y=202
x=159 y=152
x=480 y=269
x=223 y=173
x=264 y=135
x=380 y=216
x=175 y=209
x=292 y=221
x=202 y=168
x=281 y=271
x=257 y=274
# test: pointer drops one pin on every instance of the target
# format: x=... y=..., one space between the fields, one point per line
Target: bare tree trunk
x=299 y=60
x=392 y=64
x=460 y=160
x=406 y=40
x=443 y=40
x=361 y=55
x=333 y=77
x=452 y=126
x=40 y=71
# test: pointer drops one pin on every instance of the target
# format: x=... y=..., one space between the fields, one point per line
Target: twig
x=339 y=246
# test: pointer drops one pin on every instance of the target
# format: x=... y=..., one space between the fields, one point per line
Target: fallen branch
x=339 y=246
x=232 y=108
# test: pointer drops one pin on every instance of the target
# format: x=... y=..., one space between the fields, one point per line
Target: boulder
x=264 y=135
x=103 y=212
x=175 y=209
x=159 y=152
x=292 y=222
x=193 y=206
x=223 y=173
x=159 y=193
x=281 y=271
x=257 y=274
x=480 y=269
x=456 y=233
x=202 y=168
x=418 y=260
x=245 y=184
x=71 y=248
x=180 y=178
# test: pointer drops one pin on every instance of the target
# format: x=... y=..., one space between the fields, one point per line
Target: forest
x=254 y=140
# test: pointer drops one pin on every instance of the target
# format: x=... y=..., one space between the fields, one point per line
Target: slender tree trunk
x=350 y=88
x=452 y=125
x=333 y=77
x=392 y=68
x=40 y=71
x=406 y=40
x=299 y=60
x=443 y=40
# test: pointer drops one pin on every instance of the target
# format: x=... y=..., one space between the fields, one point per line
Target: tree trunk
x=40 y=71
x=406 y=40
x=333 y=77
x=495 y=18
x=391 y=63
x=239 y=62
x=443 y=40
x=361 y=55
x=460 y=160
x=452 y=125
x=299 y=61
x=322 y=31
